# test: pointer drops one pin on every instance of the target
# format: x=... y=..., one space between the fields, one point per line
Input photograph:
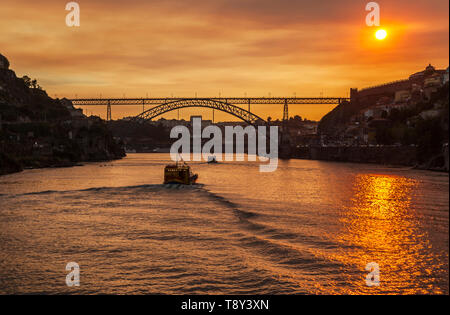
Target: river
x=310 y=227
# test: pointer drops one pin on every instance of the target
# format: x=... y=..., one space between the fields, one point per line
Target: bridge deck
x=230 y=100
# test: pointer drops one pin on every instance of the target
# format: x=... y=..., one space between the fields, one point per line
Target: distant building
x=433 y=80
x=432 y=113
x=170 y=123
x=427 y=80
x=431 y=84
x=429 y=76
x=353 y=93
x=402 y=96
x=311 y=127
x=385 y=100
x=420 y=76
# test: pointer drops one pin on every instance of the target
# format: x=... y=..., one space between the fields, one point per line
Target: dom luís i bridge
x=240 y=107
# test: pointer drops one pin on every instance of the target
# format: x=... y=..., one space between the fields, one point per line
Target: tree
x=27 y=81
x=32 y=84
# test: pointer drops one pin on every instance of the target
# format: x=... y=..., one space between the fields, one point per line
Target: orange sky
x=231 y=47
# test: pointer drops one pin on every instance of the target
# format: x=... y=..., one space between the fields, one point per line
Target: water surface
x=310 y=227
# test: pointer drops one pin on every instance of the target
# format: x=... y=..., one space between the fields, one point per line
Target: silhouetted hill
x=17 y=100
x=38 y=131
x=337 y=120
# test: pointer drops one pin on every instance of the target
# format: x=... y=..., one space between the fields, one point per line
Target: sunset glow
x=228 y=47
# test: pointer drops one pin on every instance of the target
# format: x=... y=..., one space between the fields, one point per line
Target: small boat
x=179 y=174
x=212 y=159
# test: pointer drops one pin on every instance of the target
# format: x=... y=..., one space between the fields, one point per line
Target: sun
x=381 y=34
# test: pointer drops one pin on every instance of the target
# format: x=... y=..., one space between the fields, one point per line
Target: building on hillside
x=170 y=123
x=385 y=101
x=205 y=123
x=433 y=80
x=428 y=81
x=311 y=127
x=421 y=75
x=429 y=114
x=402 y=96
x=432 y=84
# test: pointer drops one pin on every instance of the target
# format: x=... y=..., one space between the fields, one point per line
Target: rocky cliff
x=38 y=131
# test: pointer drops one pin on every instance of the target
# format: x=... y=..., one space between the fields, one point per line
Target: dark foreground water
x=310 y=227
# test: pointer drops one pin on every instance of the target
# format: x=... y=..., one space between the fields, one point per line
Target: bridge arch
x=236 y=111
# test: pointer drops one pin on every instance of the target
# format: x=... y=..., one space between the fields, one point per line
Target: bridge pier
x=285 y=149
x=285 y=110
x=108 y=111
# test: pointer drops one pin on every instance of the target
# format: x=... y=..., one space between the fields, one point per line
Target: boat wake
x=148 y=187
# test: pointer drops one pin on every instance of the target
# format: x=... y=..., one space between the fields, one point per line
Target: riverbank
x=10 y=166
x=383 y=155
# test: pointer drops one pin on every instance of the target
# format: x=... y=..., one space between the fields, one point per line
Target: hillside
x=336 y=121
x=421 y=123
x=38 y=131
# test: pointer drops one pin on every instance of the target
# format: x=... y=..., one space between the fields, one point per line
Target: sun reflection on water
x=381 y=226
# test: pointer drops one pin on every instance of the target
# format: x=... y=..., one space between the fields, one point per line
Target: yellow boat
x=179 y=174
